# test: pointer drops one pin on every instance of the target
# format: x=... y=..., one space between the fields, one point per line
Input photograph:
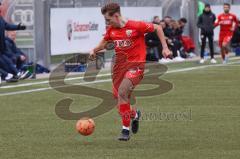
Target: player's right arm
x=217 y=22
x=101 y=46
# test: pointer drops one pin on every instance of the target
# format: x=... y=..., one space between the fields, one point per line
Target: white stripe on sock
x=126 y=128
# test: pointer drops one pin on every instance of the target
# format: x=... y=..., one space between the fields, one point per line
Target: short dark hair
x=167 y=17
x=155 y=17
x=207 y=5
x=111 y=8
x=227 y=4
x=184 y=20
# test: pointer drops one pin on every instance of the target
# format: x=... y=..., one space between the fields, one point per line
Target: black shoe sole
x=123 y=139
x=13 y=80
x=125 y=136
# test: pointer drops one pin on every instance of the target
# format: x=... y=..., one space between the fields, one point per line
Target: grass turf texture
x=29 y=127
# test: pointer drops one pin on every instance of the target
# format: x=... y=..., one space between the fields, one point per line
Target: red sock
x=125 y=112
x=133 y=113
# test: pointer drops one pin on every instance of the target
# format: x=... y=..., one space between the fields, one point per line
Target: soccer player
x=128 y=69
x=227 y=22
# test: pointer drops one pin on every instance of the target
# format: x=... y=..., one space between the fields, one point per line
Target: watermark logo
x=167 y=116
x=57 y=81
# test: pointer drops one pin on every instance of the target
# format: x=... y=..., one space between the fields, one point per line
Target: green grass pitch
x=209 y=98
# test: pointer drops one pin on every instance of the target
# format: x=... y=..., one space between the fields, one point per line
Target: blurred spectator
x=176 y=35
x=182 y=22
x=164 y=60
x=14 y=53
x=156 y=20
x=6 y=64
x=168 y=29
x=6 y=26
x=8 y=77
x=187 y=42
x=167 y=20
x=172 y=32
x=181 y=46
x=163 y=24
x=188 y=45
x=206 y=24
x=154 y=48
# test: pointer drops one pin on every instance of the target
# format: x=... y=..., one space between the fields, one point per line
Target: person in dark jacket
x=235 y=41
x=10 y=27
x=13 y=52
x=154 y=47
x=182 y=23
x=6 y=26
x=8 y=77
x=5 y=63
x=206 y=24
x=172 y=33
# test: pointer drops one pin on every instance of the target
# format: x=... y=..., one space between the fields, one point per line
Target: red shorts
x=133 y=74
x=224 y=39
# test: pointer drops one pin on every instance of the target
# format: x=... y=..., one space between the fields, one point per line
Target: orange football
x=85 y=126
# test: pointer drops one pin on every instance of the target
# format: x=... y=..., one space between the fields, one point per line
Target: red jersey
x=226 y=22
x=130 y=51
x=129 y=41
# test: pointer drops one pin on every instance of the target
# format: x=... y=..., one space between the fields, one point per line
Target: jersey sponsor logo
x=226 y=22
x=122 y=43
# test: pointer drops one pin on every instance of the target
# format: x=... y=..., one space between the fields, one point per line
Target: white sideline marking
x=102 y=81
x=49 y=88
x=46 y=82
x=104 y=75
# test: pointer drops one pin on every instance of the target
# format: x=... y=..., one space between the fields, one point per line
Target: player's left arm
x=166 y=52
x=235 y=21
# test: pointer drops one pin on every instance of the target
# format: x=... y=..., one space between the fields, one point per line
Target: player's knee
x=225 y=45
x=122 y=93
